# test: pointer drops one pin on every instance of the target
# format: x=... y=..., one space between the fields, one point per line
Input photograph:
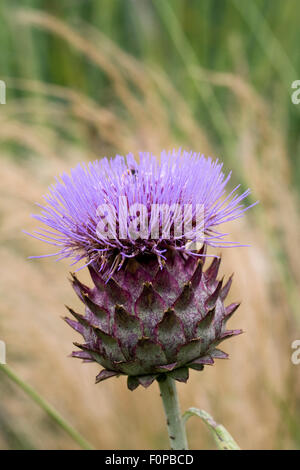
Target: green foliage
x=258 y=38
x=222 y=437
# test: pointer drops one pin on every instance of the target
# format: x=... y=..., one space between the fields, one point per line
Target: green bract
x=149 y=320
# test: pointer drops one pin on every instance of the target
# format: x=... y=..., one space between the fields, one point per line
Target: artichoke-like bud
x=137 y=226
x=148 y=320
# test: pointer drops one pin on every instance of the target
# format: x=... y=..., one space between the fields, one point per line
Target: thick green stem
x=47 y=408
x=176 y=428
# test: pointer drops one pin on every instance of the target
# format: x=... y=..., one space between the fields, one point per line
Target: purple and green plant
x=154 y=313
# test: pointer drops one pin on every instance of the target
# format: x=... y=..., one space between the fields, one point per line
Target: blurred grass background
x=89 y=78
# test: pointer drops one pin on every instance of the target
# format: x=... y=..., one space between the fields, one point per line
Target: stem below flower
x=176 y=428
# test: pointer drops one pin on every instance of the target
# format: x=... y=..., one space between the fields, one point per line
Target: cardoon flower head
x=143 y=230
x=112 y=210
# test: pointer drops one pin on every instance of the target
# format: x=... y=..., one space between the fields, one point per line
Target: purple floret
x=178 y=177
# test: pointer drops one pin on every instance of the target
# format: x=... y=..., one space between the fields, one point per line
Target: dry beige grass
x=255 y=392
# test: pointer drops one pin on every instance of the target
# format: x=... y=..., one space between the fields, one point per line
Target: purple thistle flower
x=177 y=180
x=161 y=314
x=153 y=312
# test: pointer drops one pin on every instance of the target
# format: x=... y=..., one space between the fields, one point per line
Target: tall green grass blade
x=51 y=412
x=267 y=39
x=222 y=437
x=190 y=60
